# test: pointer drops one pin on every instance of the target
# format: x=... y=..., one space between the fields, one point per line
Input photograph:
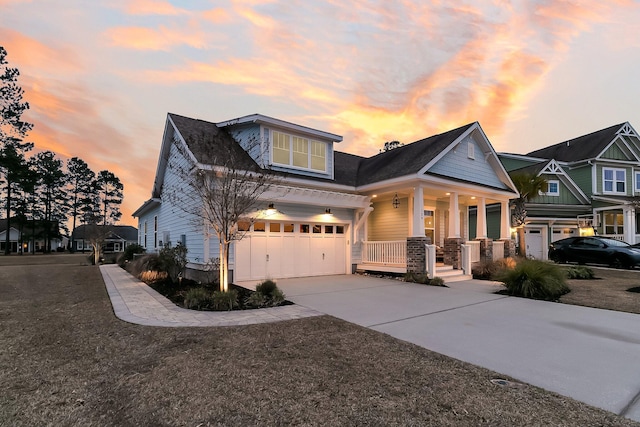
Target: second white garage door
x=290 y=249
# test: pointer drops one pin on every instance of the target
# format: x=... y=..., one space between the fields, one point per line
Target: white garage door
x=533 y=241
x=290 y=249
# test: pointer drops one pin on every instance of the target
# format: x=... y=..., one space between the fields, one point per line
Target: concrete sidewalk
x=135 y=302
x=589 y=354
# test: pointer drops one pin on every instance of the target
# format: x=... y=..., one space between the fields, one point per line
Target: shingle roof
x=349 y=169
x=125 y=232
x=407 y=159
x=212 y=145
x=533 y=169
x=580 y=148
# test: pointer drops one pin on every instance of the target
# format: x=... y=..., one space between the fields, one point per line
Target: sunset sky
x=101 y=75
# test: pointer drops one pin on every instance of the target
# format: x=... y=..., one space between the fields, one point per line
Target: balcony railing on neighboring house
x=392 y=252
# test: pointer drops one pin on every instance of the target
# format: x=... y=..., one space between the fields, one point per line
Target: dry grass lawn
x=610 y=290
x=65 y=360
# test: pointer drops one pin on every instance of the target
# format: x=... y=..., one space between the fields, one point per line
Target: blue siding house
x=335 y=212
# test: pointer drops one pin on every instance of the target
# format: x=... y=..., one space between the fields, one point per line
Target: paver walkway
x=135 y=302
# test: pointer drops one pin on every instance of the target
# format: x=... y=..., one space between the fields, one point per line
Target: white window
x=613 y=180
x=638 y=181
x=299 y=152
x=553 y=188
x=471 y=153
x=613 y=223
x=155 y=231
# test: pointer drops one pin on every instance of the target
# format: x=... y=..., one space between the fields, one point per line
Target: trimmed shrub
x=224 y=301
x=197 y=299
x=534 y=279
x=580 y=272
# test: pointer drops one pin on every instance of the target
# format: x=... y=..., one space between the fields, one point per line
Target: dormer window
x=298 y=152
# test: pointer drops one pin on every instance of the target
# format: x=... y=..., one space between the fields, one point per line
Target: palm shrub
x=536 y=279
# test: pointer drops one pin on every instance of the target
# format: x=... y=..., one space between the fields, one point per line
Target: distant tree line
x=41 y=188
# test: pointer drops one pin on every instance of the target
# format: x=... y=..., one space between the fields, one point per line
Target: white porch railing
x=474 y=250
x=498 y=250
x=386 y=253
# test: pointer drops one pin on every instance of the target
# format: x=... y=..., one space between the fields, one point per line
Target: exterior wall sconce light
x=396 y=201
x=328 y=211
x=270 y=209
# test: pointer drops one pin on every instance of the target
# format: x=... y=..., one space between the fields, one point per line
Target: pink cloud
x=163 y=38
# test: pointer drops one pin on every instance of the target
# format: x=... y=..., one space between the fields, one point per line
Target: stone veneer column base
x=509 y=248
x=452 y=252
x=417 y=254
x=486 y=250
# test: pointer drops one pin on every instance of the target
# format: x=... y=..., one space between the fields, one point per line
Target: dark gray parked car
x=596 y=250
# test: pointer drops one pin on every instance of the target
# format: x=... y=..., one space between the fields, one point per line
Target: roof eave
x=266 y=120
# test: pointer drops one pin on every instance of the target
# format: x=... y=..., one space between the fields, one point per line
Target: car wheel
x=620 y=261
x=560 y=258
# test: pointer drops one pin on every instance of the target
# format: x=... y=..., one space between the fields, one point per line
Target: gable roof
x=349 y=170
x=552 y=167
x=408 y=159
x=581 y=148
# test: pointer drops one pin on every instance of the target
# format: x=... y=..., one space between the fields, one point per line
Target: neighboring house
x=594 y=183
x=28 y=236
x=118 y=238
x=339 y=212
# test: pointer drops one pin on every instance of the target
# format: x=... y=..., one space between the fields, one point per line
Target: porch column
x=629 y=225
x=418 y=212
x=505 y=221
x=481 y=219
x=454 y=216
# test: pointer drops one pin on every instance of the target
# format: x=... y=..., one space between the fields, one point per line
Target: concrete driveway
x=591 y=355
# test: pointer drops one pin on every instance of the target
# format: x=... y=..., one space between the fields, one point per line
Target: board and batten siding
x=388 y=223
x=614 y=152
x=457 y=164
x=565 y=197
x=628 y=177
x=582 y=177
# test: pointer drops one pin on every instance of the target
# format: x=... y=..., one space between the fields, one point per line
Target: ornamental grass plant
x=536 y=279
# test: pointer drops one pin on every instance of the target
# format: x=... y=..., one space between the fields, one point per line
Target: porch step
x=448 y=274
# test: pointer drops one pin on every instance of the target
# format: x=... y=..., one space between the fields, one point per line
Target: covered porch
x=428 y=227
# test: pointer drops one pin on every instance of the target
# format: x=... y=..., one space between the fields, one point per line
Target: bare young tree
x=218 y=186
